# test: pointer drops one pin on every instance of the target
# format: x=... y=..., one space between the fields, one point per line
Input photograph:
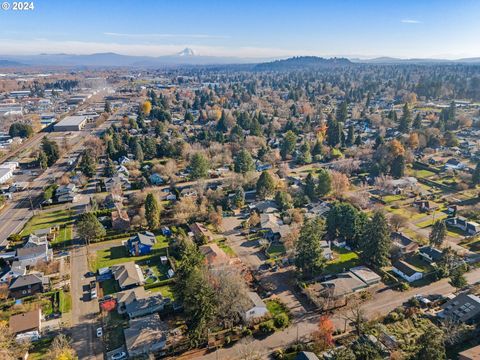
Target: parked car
x=89 y=274
x=93 y=294
x=99 y=332
x=93 y=284
x=118 y=356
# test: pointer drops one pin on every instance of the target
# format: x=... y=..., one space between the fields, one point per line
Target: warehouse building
x=71 y=123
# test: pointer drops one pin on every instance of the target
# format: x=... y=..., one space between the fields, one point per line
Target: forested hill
x=302 y=62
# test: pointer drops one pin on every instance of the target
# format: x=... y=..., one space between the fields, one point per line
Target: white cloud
x=410 y=21
x=165 y=36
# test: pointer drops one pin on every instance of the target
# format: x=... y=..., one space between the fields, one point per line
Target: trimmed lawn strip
x=344 y=260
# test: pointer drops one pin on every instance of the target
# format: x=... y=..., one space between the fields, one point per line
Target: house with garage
x=128 y=275
x=430 y=254
x=141 y=243
x=459 y=222
x=403 y=243
x=31 y=254
x=26 y=326
x=406 y=271
x=27 y=285
x=156 y=179
x=256 y=308
x=464 y=308
x=145 y=335
x=120 y=219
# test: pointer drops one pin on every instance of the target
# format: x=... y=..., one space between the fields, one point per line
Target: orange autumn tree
x=323 y=337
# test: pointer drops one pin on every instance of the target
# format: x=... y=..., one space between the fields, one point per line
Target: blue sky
x=262 y=28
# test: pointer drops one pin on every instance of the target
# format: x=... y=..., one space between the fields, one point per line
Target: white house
x=406 y=271
x=5 y=175
x=257 y=308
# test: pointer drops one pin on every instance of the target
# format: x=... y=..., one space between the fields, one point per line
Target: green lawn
x=226 y=248
x=109 y=287
x=167 y=291
x=64 y=219
x=40 y=348
x=65 y=302
x=391 y=198
x=431 y=220
x=118 y=254
x=344 y=260
x=275 y=307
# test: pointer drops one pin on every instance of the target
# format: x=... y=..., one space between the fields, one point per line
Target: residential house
x=201 y=233
x=26 y=326
x=27 y=285
x=276 y=230
x=113 y=200
x=327 y=251
x=214 y=256
x=124 y=160
x=128 y=275
x=459 y=222
x=470 y=354
x=66 y=193
x=264 y=207
x=13 y=271
x=406 y=271
x=188 y=192
x=256 y=309
x=367 y=275
x=156 y=179
x=145 y=305
x=120 y=219
x=32 y=254
x=425 y=205
x=430 y=254
x=401 y=185
x=343 y=284
x=49 y=233
x=464 y=308
x=145 y=335
x=120 y=180
x=403 y=243
x=141 y=243
x=454 y=164
x=306 y=355
x=121 y=169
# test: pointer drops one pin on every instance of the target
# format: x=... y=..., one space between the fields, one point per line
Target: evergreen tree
x=304 y=154
x=265 y=185
x=417 y=123
x=317 y=149
x=152 y=212
x=51 y=150
x=42 y=160
x=288 y=144
x=324 y=182
x=398 y=167
x=239 y=197
x=20 y=130
x=309 y=258
x=108 y=107
x=342 y=112
x=283 y=200
x=334 y=136
x=350 y=136
x=376 y=242
x=199 y=166
x=438 y=233
x=405 y=120
x=88 y=165
x=476 y=175
x=138 y=151
x=110 y=168
x=358 y=140
x=310 y=187
x=89 y=228
x=244 y=162
x=222 y=123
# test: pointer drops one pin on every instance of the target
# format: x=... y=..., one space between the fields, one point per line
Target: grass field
x=64 y=219
x=166 y=291
x=276 y=250
x=344 y=260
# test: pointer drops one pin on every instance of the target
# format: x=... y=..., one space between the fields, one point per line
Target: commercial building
x=71 y=123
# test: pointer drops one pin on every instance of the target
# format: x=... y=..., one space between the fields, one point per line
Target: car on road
x=99 y=332
x=118 y=356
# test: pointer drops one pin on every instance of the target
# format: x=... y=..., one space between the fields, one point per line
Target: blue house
x=140 y=244
x=156 y=179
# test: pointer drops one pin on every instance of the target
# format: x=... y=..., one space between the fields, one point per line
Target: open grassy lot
x=276 y=250
x=344 y=260
x=118 y=254
x=64 y=219
x=439 y=215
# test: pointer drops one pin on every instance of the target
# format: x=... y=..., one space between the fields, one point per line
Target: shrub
x=280 y=320
x=247 y=332
x=267 y=327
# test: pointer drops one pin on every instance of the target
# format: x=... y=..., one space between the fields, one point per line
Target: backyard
x=344 y=260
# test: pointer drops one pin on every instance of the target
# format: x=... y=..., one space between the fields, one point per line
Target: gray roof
x=463 y=307
x=144 y=332
x=72 y=120
x=146 y=238
x=26 y=280
x=32 y=250
x=306 y=355
x=405 y=268
x=150 y=302
x=255 y=299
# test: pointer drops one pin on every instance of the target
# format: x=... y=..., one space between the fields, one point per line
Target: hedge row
x=159 y=283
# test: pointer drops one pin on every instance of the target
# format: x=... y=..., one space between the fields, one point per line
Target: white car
x=99 y=332
x=119 y=356
x=93 y=294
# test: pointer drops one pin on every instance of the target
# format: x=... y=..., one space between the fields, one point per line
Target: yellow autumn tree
x=146 y=108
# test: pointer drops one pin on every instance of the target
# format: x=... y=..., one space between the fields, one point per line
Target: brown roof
x=470 y=354
x=200 y=230
x=214 y=255
x=26 y=322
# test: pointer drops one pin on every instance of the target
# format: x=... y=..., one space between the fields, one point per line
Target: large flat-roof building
x=71 y=123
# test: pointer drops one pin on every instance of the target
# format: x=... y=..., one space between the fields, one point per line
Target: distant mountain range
x=188 y=57
x=185 y=57
x=302 y=62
